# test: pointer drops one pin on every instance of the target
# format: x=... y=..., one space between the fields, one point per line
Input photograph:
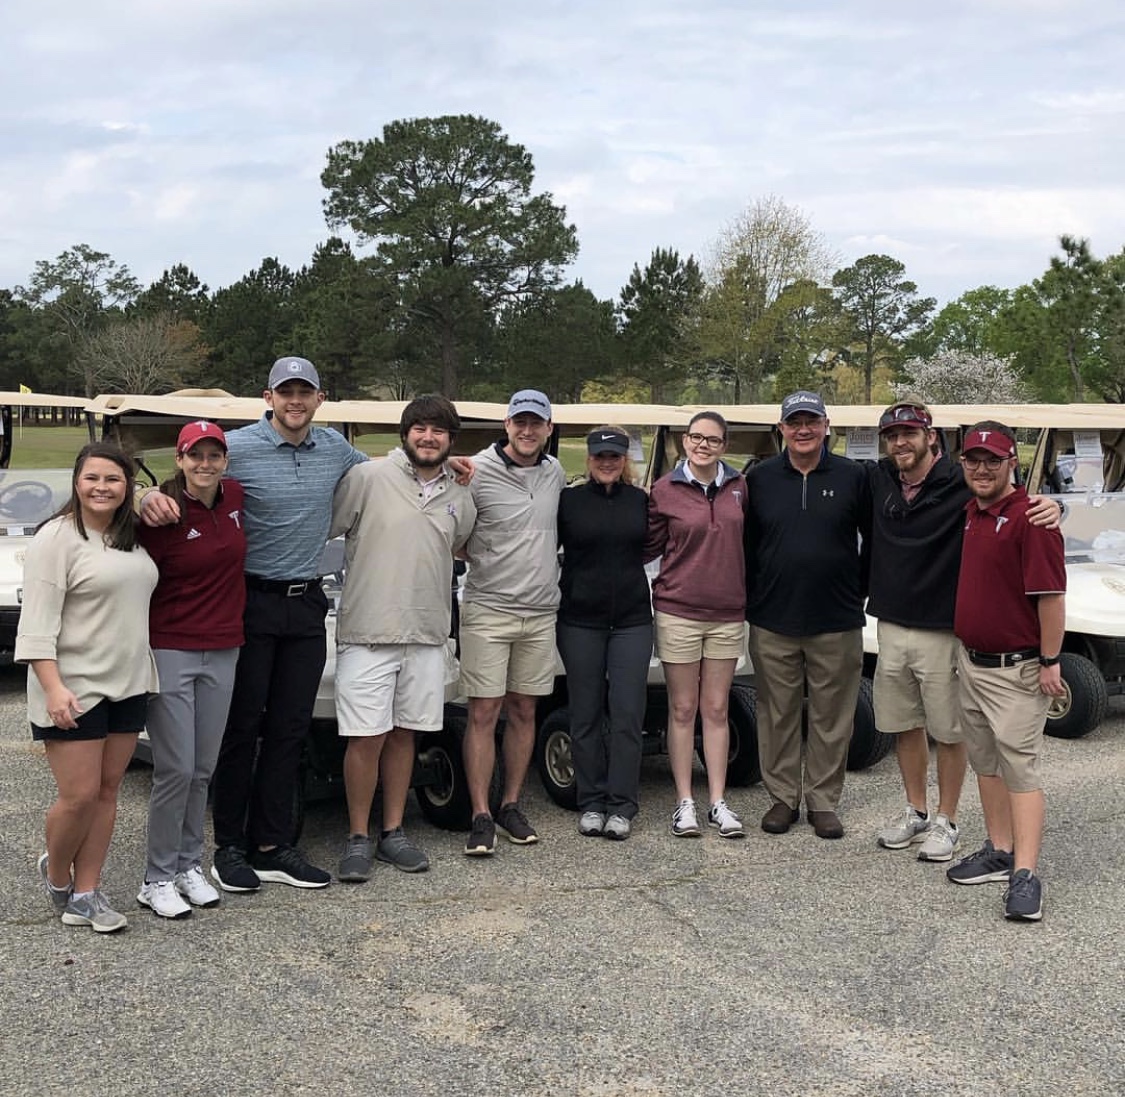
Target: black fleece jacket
x=806 y=570
x=602 y=535
x=916 y=546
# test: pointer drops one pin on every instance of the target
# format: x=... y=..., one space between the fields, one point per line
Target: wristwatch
x=1049 y=660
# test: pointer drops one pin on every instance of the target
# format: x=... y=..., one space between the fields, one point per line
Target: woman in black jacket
x=605 y=632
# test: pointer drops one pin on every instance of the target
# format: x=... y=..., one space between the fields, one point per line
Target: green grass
x=42 y=447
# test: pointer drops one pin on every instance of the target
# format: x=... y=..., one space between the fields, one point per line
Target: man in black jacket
x=806 y=579
x=919 y=498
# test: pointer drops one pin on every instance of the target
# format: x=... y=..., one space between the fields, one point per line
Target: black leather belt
x=996 y=660
x=291 y=588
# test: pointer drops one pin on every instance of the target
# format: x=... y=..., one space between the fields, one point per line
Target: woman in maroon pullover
x=195 y=628
x=695 y=521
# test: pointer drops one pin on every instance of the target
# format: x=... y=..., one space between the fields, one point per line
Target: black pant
x=279 y=670
x=606 y=669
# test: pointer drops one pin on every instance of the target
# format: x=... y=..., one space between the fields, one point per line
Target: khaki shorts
x=681 y=640
x=507 y=652
x=1003 y=712
x=916 y=682
x=384 y=686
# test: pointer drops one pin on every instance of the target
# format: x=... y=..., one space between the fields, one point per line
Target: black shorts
x=125 y=717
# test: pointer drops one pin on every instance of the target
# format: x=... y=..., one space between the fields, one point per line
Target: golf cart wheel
x=445 y=802
x=742 y=752
x=554 y=760
x=869 y=745
x=1084 y=705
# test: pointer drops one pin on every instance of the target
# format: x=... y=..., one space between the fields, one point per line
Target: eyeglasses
x=712 y=441
x=905 y=413
x=990 y=463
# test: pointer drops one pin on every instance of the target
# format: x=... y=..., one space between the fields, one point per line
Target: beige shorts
x=384 y=686
x=916 y=682
x=507 y=652
x=1003 y=712
x=681 y=640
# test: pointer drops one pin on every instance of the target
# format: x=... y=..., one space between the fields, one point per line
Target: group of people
x=205 y=620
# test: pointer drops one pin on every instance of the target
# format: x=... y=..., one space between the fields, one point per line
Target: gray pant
x=832 y=664
x=606 y=669
x=185 y=723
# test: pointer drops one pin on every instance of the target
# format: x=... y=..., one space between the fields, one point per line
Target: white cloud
x=962 y=138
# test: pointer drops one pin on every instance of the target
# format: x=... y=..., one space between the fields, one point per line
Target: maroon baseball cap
x=908 y=414
x=197 y=432
x=992 y=441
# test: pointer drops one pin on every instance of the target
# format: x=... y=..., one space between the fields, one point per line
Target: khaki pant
x=832 y=663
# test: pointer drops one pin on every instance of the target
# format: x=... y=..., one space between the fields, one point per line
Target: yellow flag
x=24 y=388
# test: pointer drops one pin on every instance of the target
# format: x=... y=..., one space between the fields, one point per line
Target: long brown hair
x=122 y=531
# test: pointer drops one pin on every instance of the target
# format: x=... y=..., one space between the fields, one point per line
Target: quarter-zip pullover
x=698 y=532
x=807 y=570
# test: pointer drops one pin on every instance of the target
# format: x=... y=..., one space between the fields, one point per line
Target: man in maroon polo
x=1010 y=619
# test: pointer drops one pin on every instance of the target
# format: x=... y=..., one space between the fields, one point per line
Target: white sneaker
x=729 y=824
x=193 y=886
x=618 y=828
x=905 y=829
x=942 y=841
x=592 y=824
x=164 y=900
x=684 y=822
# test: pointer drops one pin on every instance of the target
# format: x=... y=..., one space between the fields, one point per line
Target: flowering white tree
x=956 y=377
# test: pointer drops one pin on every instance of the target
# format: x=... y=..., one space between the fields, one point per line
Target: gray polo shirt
x=288 y=505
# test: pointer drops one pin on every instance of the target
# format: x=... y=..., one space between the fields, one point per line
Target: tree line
x=445 y=271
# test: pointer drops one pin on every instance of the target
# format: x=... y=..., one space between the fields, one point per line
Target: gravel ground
x=775 y=965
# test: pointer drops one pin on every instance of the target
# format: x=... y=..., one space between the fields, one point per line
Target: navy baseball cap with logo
x=808 y=402
x=292 y=368
x=607 y=441
x=529 y=402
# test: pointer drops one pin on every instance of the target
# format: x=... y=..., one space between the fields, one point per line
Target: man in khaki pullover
x=403 y=518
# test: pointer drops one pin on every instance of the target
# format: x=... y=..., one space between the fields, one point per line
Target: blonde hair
x=628 y=473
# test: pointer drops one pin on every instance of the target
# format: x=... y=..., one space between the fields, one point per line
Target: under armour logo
x=828 y=491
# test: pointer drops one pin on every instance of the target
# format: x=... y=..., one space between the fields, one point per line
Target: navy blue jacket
x=806 y=568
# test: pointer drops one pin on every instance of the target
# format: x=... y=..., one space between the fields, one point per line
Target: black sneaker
x=287 y=865
x=482 y=837
x=1023 y=901
x=514 y=824
x=232 y=872
x=988 y=864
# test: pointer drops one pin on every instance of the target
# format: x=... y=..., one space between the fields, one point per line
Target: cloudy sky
x=962 y=137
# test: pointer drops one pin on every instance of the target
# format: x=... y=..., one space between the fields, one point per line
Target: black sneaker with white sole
x=1023 y=901
x=231 y=870
x=287 y=865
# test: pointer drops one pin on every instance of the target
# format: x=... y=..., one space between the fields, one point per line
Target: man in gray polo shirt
x=510 y=603
x=289 y=470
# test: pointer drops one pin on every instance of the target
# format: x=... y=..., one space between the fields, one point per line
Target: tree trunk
x=868 y=369
x=1075 y=372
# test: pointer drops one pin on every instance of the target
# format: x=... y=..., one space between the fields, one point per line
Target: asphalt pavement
x=775 y=965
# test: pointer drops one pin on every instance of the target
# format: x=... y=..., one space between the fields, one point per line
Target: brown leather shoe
x=779 y=818
x=826 y=824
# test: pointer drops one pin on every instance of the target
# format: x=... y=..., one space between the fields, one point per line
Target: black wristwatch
x=1049 y=660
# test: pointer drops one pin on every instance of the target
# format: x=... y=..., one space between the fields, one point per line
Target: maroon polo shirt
x=1005 y=563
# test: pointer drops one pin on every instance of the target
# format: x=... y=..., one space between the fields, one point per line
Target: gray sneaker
x=59 y=896
x=618 y=828
x=398 y=850
x=355 y=862
x=1023 y=901
x=592 y=824
x=93 y=910
x=987 y=865
x=943 y=840
x=906 y=828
